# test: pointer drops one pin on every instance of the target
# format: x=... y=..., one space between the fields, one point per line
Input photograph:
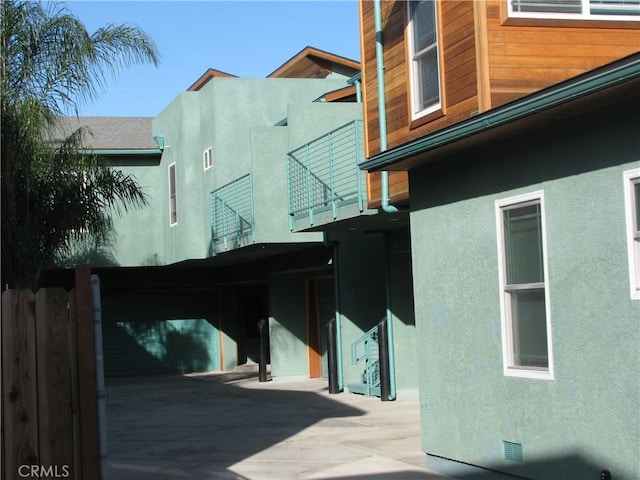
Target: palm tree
x=53 y=194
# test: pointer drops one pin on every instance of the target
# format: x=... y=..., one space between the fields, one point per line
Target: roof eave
x=122 y=152
x=309 y=52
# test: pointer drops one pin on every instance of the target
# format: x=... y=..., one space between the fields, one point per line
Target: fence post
x=86 y=373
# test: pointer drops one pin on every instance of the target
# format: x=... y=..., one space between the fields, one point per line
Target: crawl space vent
x=512 y=451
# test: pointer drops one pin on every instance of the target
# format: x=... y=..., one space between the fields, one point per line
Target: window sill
x=524 y=373
x=427 y=118
x=569 y=22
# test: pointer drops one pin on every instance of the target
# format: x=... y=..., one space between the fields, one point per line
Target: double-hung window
x=526 y=326
x=576 y=9
x=425 y=69
x=173 y=198
x=632 y=207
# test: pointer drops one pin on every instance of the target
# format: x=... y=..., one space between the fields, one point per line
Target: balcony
x=232 y=215
x=323 y=178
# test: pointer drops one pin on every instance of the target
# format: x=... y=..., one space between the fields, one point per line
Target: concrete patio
x=230 y=426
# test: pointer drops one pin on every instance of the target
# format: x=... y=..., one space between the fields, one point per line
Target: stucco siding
x=288 y=326
x=585 y=419
x=137 y=239
x=222 y=115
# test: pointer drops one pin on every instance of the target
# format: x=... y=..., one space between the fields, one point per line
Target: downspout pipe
x=385 y=204
x=382 y=108
x=384 y=194
x=389 y=315
x=355 y=81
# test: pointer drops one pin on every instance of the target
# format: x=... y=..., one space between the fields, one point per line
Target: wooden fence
x=49 y=408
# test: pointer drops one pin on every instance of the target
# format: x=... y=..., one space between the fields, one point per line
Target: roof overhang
x=206 y=77
x=616 y=81
x=123 y=152
x=312 y=59
x=346 y=94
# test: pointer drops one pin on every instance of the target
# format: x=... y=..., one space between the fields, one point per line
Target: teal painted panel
x=154 y=347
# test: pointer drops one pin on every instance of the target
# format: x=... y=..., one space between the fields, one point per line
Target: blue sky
x=244 y=38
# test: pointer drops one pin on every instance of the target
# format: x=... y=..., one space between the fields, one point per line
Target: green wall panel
x=585 y=419
x=166 y=331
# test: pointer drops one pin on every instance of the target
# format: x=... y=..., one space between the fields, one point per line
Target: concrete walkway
x=230 y=426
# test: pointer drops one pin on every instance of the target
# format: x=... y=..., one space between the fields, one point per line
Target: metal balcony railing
x=323 y=175
x=232 y=214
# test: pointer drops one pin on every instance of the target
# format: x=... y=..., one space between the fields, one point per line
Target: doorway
x=320 y=310
x=252 y=305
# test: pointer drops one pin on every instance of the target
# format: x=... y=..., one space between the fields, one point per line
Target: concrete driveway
x=230 y=426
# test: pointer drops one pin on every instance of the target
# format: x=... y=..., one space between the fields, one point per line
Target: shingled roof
x=110 y=133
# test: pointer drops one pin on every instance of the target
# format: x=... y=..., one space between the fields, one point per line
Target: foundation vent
x=512 y=451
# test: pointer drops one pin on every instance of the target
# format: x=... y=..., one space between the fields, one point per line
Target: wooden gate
x=49 y=408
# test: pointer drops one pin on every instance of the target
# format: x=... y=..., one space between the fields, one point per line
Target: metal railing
x=232 y=214
x=323 y=175
x=365 y=349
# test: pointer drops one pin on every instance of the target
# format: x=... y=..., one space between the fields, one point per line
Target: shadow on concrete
x=174 y=427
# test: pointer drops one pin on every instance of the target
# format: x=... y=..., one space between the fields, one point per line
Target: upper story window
x=425 y=68
x=576 y=9
x=207 y=158
x=173 y=199
x=632 y=207
x=524 y=288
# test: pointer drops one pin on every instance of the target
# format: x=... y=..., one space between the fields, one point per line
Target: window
x=577 y=9
x=526 y=327
x=425 y=71
x=207 y=158
x=632 y=207
x=173 y=200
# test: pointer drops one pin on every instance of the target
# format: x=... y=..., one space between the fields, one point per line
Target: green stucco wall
x=234 y=117
x=151 y=332
x=222 y=116
x=586 y=419
x=361 y=304
x=362 y=294
x=402 y=308
x=288 y=325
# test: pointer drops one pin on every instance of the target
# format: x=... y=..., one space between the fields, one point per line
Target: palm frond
x=54 y=196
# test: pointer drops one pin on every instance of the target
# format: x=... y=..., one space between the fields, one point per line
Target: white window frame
x=632 y=178
x=510 y=369
x=416 y=112
x=173 y=195
x=585 y=14
x=207 y=158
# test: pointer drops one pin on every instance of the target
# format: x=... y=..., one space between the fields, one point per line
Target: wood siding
x=459 y=81
x=487 y=60
x=459 y=77
x=524 y=58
